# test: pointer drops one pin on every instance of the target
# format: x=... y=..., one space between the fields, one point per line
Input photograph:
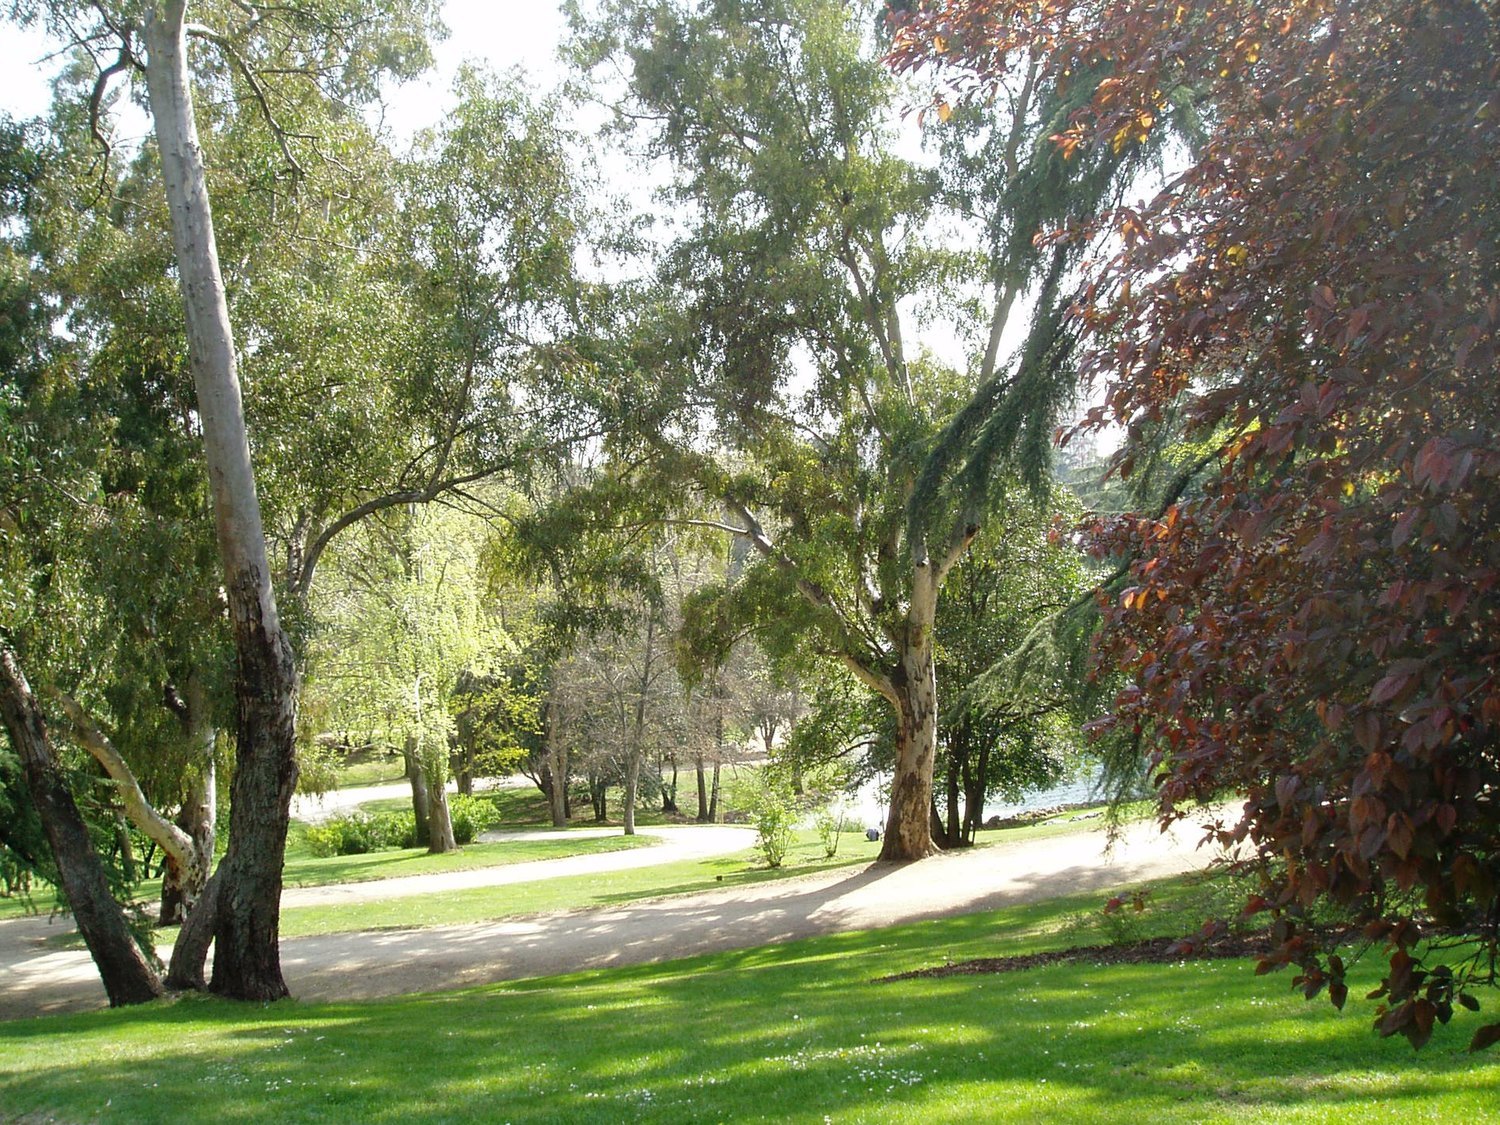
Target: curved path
x=35 y=980
x=675 y=842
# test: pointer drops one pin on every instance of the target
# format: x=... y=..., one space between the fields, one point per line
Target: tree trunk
x=128 y=976
x=953 y=836
x=702 y=791
x=196 y=819
x=974 y=793
x=247 y=959
x=463 y=776
x=632 y=784
x=908 y=828
x=935 y=826
x=557 y=768
x=669 y=792
x=419 y=800
x=713 y=797
x=190 y=951
x=439 y=820
x=598 y=797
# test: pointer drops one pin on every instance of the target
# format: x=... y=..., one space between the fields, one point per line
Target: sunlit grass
x=802 y=1032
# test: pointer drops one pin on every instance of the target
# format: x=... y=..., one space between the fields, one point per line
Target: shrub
x=829 y=822
x=358 y=833
x=773 y=812
x=470 y=816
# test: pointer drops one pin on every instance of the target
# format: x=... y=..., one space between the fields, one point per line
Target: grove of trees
x=480 y=459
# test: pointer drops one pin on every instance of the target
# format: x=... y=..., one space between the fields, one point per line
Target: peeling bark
x=908 y=827
x=247 y=960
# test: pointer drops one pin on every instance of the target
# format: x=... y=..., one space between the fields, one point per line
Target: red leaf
x=1338 y=992
x=1390 y=686
x=1486 y=1036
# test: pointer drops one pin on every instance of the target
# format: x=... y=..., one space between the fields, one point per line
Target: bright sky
x=499 y=33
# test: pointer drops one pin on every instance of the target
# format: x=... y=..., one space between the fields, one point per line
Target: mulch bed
x=1152 y=951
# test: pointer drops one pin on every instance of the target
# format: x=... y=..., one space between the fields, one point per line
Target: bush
x=470 y=816
x=830 y=825
x=773 y=812
x=358 y=833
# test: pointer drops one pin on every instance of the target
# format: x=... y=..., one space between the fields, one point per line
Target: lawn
x=307 y=870
x=804 y=1032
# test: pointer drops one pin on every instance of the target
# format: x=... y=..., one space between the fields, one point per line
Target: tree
x=1314 y=296
x=408 y=624
x=129 y=978
x=312 y=46
x=778 y=392
x=1011 y=728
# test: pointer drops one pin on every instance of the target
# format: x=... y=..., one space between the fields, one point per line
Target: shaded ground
x=37 y=977
x=1152 y=951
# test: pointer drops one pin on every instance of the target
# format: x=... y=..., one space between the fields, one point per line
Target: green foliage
x=471 y=816
x=828 y=821
x=358 y=833
x=773 y=813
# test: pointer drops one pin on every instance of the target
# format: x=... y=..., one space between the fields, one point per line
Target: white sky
x=499 y=33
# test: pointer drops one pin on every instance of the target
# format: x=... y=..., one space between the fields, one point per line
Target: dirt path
x=35 y=979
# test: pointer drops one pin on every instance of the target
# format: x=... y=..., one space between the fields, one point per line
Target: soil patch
x=1151 y=951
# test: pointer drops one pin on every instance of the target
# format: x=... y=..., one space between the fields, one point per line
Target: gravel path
x=36 y=979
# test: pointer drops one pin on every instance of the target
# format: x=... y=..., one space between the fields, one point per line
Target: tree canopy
x=1313 y=294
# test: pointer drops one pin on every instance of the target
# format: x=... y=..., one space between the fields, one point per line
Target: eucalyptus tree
x=257 y=51
x=779 y=389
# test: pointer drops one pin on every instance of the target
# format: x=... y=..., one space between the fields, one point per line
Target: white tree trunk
x=247 y=962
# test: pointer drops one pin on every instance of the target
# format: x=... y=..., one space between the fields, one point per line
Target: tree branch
x=172 y=840
x=198 y=31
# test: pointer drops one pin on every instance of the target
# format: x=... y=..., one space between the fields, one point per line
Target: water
x=867 y=807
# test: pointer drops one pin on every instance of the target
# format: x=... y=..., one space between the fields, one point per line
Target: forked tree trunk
x=440 y=836
x=128 y=977
x=247 y=959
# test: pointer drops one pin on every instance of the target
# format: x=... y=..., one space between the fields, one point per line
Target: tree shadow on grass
x=798 y=1033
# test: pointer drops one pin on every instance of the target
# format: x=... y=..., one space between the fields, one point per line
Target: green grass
x=316 y=871
x=802 y=1032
